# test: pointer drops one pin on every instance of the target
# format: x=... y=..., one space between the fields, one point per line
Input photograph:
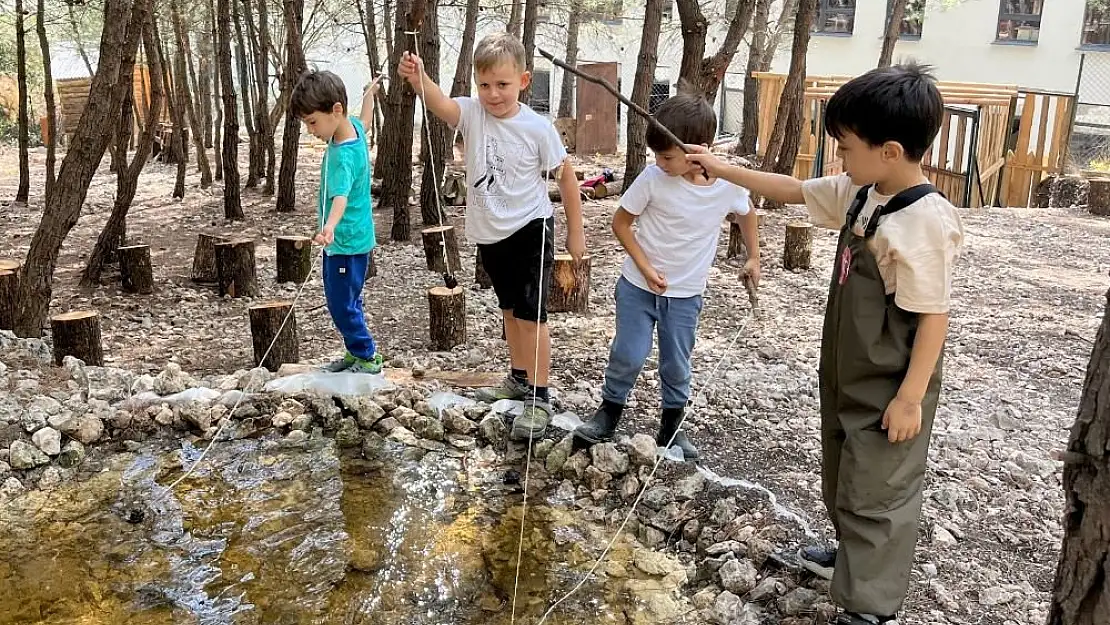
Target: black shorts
x=513 y=265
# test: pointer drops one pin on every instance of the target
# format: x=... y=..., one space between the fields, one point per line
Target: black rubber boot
x=601 y=427
x=668 y=423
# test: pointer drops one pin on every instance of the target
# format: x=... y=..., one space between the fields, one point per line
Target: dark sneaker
x=854 y=618
x=372 y=366
x=818 y=560
x=344 y=363
x=601 y=427
x=509 y=388
x=533 y=422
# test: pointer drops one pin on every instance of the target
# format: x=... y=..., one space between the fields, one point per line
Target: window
x=603 y=10
x=912 y=19
x=1019 y=21
x=668 y=10
x=835 y=17
x=1096 y=24
x=540 y=99
x=660 y=91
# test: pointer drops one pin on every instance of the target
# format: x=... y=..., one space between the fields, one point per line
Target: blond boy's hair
x=499 y=48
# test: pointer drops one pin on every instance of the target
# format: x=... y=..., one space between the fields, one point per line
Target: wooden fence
x=1040 y=147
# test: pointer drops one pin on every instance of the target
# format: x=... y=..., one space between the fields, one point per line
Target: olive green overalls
x=872 y=488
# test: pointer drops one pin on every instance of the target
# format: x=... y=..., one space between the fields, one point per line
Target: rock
x=404 y=436
x=11 y=488
x=650 y=536
x=493 y=430
x=630 y=487
x=75 y=367
x=281 y=419
x=767 y=589
x=929 y=570
x=72 y=455
x=5 y=467
x=576 y=465
x=943 y=537
x=608 y=458
x=656 y=563
x=197 y=415
x=799 y=601
x=47 y=405
x=295 y=438
x=172 y=380
x=87 y=429
x=641 y=450
x=597 y=479
x=33 y=420
x=301 y=423
x=428 y=428
x=738 y=576
x=541 y=449
x=728 y=609
x=23 y=455
x=759 y=550
x=405 y=416
x=724 y=511
x=387 y=425
x=121 y=420
x=366 y=410
x=994 y=596
x=424 y=408
x=691 y=530
x=657 y=497
x=348 y=434
x=689 y=487
x=705 y=597
x=727 y=546
x=48 y=440
x=51 y=477
x=456 y=422
x=463 y=443
x=558 y=455
x=670 y=518
x=655 y=605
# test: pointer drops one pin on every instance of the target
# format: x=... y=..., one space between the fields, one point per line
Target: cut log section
x=1098 y=197
x=446 y=317
x=371 y=267
x=1070 y=191
x=204 y=258
x=570 y=285
x=235 y=271
x=9 y=295
x=266 y=328
x=603 y=190
x=135 y=271
x=797 y=251
x=8 y=264
x=481 y=276
x=77 y=334
x=294 y=259
x=435 y=238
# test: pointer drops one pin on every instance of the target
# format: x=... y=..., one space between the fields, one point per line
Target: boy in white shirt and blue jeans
x=678 y=212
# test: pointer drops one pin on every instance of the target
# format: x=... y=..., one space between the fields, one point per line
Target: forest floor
x=1028 y=299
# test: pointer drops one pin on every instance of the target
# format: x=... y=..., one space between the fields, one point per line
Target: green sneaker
x=372 y=366
x=509 y=388
x=344 y=363
x=533 y=422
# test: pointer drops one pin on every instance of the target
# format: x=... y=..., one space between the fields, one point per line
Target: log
x=135 y=271
x=434 y=239
x=1070 y=191
x=481 y=276
x=9 y=288
x=603 y=190
x=235 y=272
x=1098 y=197
x=266 y=329
x=77 y=334
x=796 y=253
x=446 y=317
x=204 y=258
x=570 y=285
x=294 y=259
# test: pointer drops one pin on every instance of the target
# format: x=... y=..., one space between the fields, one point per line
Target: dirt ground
x=1028 y=297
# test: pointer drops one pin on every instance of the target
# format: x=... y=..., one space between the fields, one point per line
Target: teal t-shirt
x=345 y=172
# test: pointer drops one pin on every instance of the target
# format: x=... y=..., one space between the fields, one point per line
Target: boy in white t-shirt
x=678 y=212
x=510 y=153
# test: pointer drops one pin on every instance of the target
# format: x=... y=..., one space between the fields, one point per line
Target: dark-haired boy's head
x=319 y=99
x=692 y=120
x=885 y=117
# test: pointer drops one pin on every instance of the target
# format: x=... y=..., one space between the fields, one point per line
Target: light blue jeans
x=640 y=315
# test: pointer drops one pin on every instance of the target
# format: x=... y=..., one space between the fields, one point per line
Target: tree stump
x=796 y=253
x=9 y=295
x=77 y=334
x=1042 y=196
x=235 y=271
x=736 y=247
x=204 y=258
x=135 y=271
x=446 y=317
x=266 y=329
x=435 y=238
x=8 y=264
x=371 y=267
x=1098 y=197
x=1070 y=191
x=570 y=285
x=481 y=276
x=294 y=259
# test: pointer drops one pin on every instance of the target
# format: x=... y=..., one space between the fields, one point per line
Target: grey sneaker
x=342 y=364
x=509 y=388
x=533 y=422
x=372 y=366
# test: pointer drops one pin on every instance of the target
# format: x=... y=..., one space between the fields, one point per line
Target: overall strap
x=857 y=206
x=897 y=203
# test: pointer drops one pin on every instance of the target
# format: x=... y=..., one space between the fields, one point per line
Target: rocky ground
x=1027 y=303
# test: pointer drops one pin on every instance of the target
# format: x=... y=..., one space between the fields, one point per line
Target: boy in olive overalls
x=884 y=330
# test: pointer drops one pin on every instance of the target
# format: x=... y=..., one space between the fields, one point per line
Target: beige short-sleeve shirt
x=916 y=248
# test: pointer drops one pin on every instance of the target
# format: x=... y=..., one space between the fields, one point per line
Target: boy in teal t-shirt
x=346 y=224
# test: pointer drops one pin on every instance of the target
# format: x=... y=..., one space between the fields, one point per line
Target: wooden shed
x=73 y=93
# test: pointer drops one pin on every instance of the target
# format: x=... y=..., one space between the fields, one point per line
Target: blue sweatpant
x=344 y=277
x=640 y=315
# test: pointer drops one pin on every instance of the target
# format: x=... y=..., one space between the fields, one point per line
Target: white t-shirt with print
x=678 y=224
x=507 y=164
x=916 y=248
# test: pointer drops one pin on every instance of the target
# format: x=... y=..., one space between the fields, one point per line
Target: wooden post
x=796 y=253
x=9 y=289
x=434 y=239
x=294 y=259
x=481 y=276
x=77 y=334
x=204 y=258
x=736 y=248
x=447 y=317
x=135 y=271
x=235 y=268
x=1098 y=197
x=570 y=285
x=266 y=320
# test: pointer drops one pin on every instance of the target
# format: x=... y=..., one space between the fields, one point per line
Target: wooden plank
x=1042 y=131
x=945 y=130
x=1026 y=126
x=1060 y=132
x=961 y=138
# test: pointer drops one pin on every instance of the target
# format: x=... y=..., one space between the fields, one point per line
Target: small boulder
x=608 y=458
x=24 y=455
x=48 y=440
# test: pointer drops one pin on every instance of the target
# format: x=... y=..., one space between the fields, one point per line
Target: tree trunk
x=254 y=163
x=294 y=67
x=446 y=316
x=514 y=18
x=481 y=276
x=120 y=39
x=782 y=148
x=265 y=127
x=135 y=271
x=127 y=177
x=274 y=339
x=1081 y=594
x=178 y=142
x=566 y=93
x=189 y=75
x=441 y=247
x=436 y=132
x=77 y=39
x=636 y=154
x=530 y=18
x=370 y=37
x=749 y=134
x=704 y=75
x=48 y=94
x=796 y=249
x=24 y=189
x=77 y=334
x=461 y=85
x=235 y=269
x=9 y=291
x=570 y=285
x=216 y=103
x=695 y=27
x=204 y=258
x=233 y=207
x=897 y=10
x=387 y=27
x=396 y=145
x=294 y=259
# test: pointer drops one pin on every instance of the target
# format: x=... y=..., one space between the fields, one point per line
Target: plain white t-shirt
x=677 y=225
x=507 y=164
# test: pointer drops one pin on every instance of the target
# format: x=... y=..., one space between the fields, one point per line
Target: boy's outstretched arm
x=443 y=107
x=572 y=205
x=775 y=187
x=366 y=115
x=902 y=418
